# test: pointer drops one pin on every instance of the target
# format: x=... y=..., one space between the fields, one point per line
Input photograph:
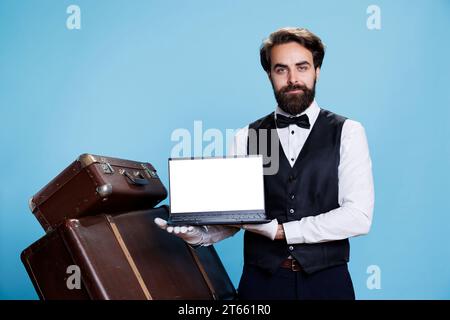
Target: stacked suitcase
x=101 y=241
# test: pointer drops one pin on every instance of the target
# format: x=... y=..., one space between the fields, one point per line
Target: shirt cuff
x=292 y=232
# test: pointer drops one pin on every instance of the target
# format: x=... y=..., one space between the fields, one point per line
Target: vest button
x=292 y=196
x=291 y=248
x=291 y=178
x=291 y=210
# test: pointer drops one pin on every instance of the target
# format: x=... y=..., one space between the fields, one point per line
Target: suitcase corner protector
x=86 y=159
x=31 y=204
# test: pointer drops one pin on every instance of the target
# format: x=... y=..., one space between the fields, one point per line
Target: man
x=321 y=194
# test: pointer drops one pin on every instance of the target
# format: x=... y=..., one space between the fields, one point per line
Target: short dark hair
x=302 y=36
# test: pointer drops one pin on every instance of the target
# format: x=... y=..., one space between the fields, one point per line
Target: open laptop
x=205 y=191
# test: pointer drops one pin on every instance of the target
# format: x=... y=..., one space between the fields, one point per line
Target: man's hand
x=191 y=234
x=280 y=233
x=271 y=230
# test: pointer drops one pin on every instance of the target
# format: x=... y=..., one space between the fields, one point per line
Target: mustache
x=294 y=87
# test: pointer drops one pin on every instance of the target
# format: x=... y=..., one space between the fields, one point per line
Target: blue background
x=136 y=71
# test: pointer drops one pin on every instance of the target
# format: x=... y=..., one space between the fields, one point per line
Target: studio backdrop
x=147 y=80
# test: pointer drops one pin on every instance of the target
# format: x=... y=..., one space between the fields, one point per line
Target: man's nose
x=292 y=78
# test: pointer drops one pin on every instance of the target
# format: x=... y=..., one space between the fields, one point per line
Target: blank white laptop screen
x=216 y=184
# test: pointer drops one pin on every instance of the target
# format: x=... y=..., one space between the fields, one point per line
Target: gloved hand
x=191 y=234
x=268 y=229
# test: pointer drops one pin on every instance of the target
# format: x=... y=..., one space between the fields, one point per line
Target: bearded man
x=321 y=193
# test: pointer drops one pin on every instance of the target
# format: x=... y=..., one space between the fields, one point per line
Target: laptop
x=216 y=190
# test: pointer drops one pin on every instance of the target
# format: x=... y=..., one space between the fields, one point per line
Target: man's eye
x=303 y=68
x=280 y=70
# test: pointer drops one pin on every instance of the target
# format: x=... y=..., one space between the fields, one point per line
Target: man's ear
x=269 y=75
x=317 y=73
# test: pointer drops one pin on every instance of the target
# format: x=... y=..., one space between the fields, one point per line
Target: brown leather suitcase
x=95 y=184
x=125 y=256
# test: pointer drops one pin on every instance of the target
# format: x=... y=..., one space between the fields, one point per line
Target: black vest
x=308 y=188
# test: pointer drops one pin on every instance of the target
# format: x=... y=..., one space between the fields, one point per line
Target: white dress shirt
x=353 y=217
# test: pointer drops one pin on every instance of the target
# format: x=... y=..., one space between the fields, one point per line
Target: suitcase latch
x=106 y=167
x=150 y=173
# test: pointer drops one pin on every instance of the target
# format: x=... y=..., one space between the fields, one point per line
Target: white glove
x=191 y=234
x=268 y=229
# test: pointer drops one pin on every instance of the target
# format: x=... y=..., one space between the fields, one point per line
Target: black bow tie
x=301 y=121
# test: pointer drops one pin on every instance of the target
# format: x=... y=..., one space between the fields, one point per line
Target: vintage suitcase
x=125 y=256
x=96 y=184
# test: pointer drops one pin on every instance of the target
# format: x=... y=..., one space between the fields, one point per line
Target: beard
x=295 y=103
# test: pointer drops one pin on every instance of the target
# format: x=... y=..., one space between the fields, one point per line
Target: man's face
x=293 y=77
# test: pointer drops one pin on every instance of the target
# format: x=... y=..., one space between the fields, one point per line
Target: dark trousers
x=333 y=283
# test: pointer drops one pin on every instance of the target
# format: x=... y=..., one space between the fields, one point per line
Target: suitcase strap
x=203 y=272
x=129 y=258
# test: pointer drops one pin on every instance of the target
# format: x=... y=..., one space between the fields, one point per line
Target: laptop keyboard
x=231 y=217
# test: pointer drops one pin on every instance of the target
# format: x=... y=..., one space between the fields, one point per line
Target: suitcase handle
x=135 y=180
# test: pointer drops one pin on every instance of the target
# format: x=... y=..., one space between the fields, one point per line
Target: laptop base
x=219 y=218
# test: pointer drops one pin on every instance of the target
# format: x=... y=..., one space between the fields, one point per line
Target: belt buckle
x=294 y=265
